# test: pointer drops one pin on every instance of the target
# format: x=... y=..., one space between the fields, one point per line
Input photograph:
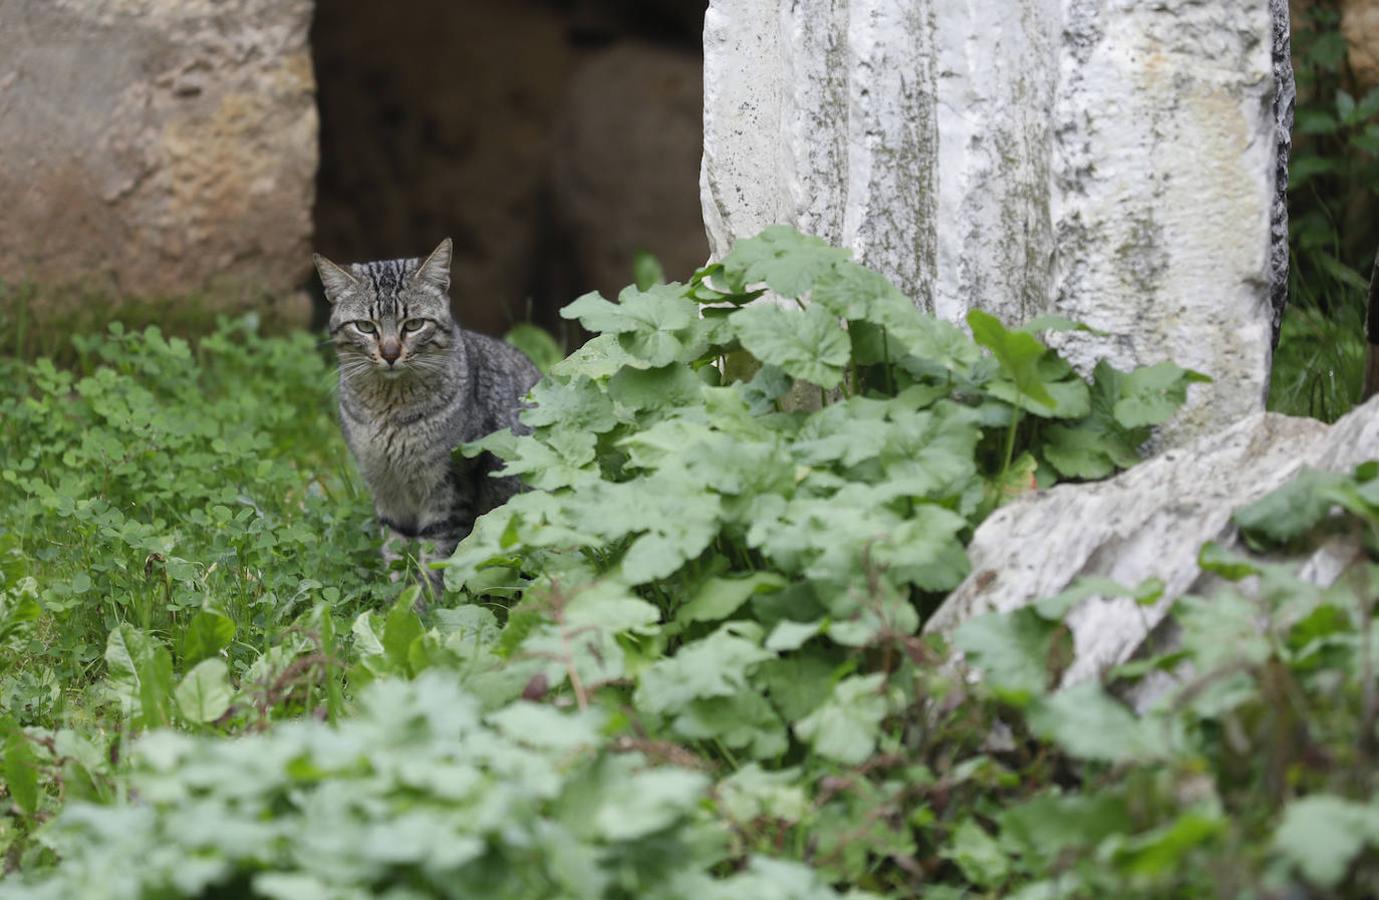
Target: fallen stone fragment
x=1149 y=522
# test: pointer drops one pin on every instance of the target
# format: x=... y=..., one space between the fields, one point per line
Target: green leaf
x=719 y=598
x=854 y=292
x=1345 y=106
x=1057 y=607
x=673 y=519
x=924 y=549
x=808 y=345
x=598 y=358
x=646 y=802
x=1222 y=630
x=850 y=433
x=1161 y=852
x=1049 y=825
x=657 y=327
x=798 y=683
x=546 y=728
x=929 y=454
x=656 y=389
x=561 y=458
x=1088 y=724
x=787 y=261
x=1321 y=835
x=140 y=672
x=536 y=344
x=646 y=270
x=366 y=640
x=1098 y=445
x=585 y=636
x=205 y=693
x=1017 y=352
x=752 y=791
x=846 y=727
x=743 y=721
x=714 y=666
x=208 y=633
x=470 y=624
x=923 y=342
x=20 y=766
x=790 y=635
x=1151 y=395
x=1342 y=272
x=1219 y=561
x=978 y=855
x=1292 y=510
x=1306 y=168
x=607 y=604
x=1011 y=650
x=1080 y=452
x=401 y=628
x=576 y=403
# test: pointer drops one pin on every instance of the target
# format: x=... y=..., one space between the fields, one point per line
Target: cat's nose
x=390 y=350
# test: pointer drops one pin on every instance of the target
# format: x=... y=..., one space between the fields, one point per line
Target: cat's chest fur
x=404 y=456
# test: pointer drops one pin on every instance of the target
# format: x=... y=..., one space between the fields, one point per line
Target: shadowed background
x=551 y=140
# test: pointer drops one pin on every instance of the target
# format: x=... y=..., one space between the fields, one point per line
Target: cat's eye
x=366 y=327
x=413 y=324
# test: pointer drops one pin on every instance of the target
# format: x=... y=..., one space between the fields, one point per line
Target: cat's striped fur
x=413 y=386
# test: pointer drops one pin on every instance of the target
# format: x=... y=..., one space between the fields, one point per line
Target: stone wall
x=1110 y=160
x=154 y=149
x=1360 y=25
x=157 y=147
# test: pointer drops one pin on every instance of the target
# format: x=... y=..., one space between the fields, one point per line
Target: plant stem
x=1010 y=440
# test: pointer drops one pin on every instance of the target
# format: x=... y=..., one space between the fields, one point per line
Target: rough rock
x=1148 y=522
x=157 y=147
x=1111 y=160
x=622 y=179
x=1360 y=25
x=1285 y=99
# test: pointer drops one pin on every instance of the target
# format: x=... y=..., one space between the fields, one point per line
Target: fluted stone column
x=1111 y=160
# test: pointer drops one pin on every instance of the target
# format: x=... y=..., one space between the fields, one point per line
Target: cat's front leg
x=439 y=540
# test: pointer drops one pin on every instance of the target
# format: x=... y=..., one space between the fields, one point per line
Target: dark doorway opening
x=551 y=140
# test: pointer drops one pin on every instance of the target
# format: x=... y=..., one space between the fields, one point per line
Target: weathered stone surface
x=1285 y=99
x=1360 y=25
x=1148 y=522
x=821 y=114
x=157 y=147
x=1111 y=160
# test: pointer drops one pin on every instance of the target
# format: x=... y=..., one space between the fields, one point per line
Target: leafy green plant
x=1252 y=771
x=744 y=510
x=165 y=506
x=687 y=663
x=417 y=795
x=1332 y=194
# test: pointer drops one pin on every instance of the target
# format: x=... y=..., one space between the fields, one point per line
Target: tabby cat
x=413 y=386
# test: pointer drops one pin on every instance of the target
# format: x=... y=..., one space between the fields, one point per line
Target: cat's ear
x=435 y=269
x=336 y=279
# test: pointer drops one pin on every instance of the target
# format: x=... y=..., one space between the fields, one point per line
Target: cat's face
x=390 y=317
